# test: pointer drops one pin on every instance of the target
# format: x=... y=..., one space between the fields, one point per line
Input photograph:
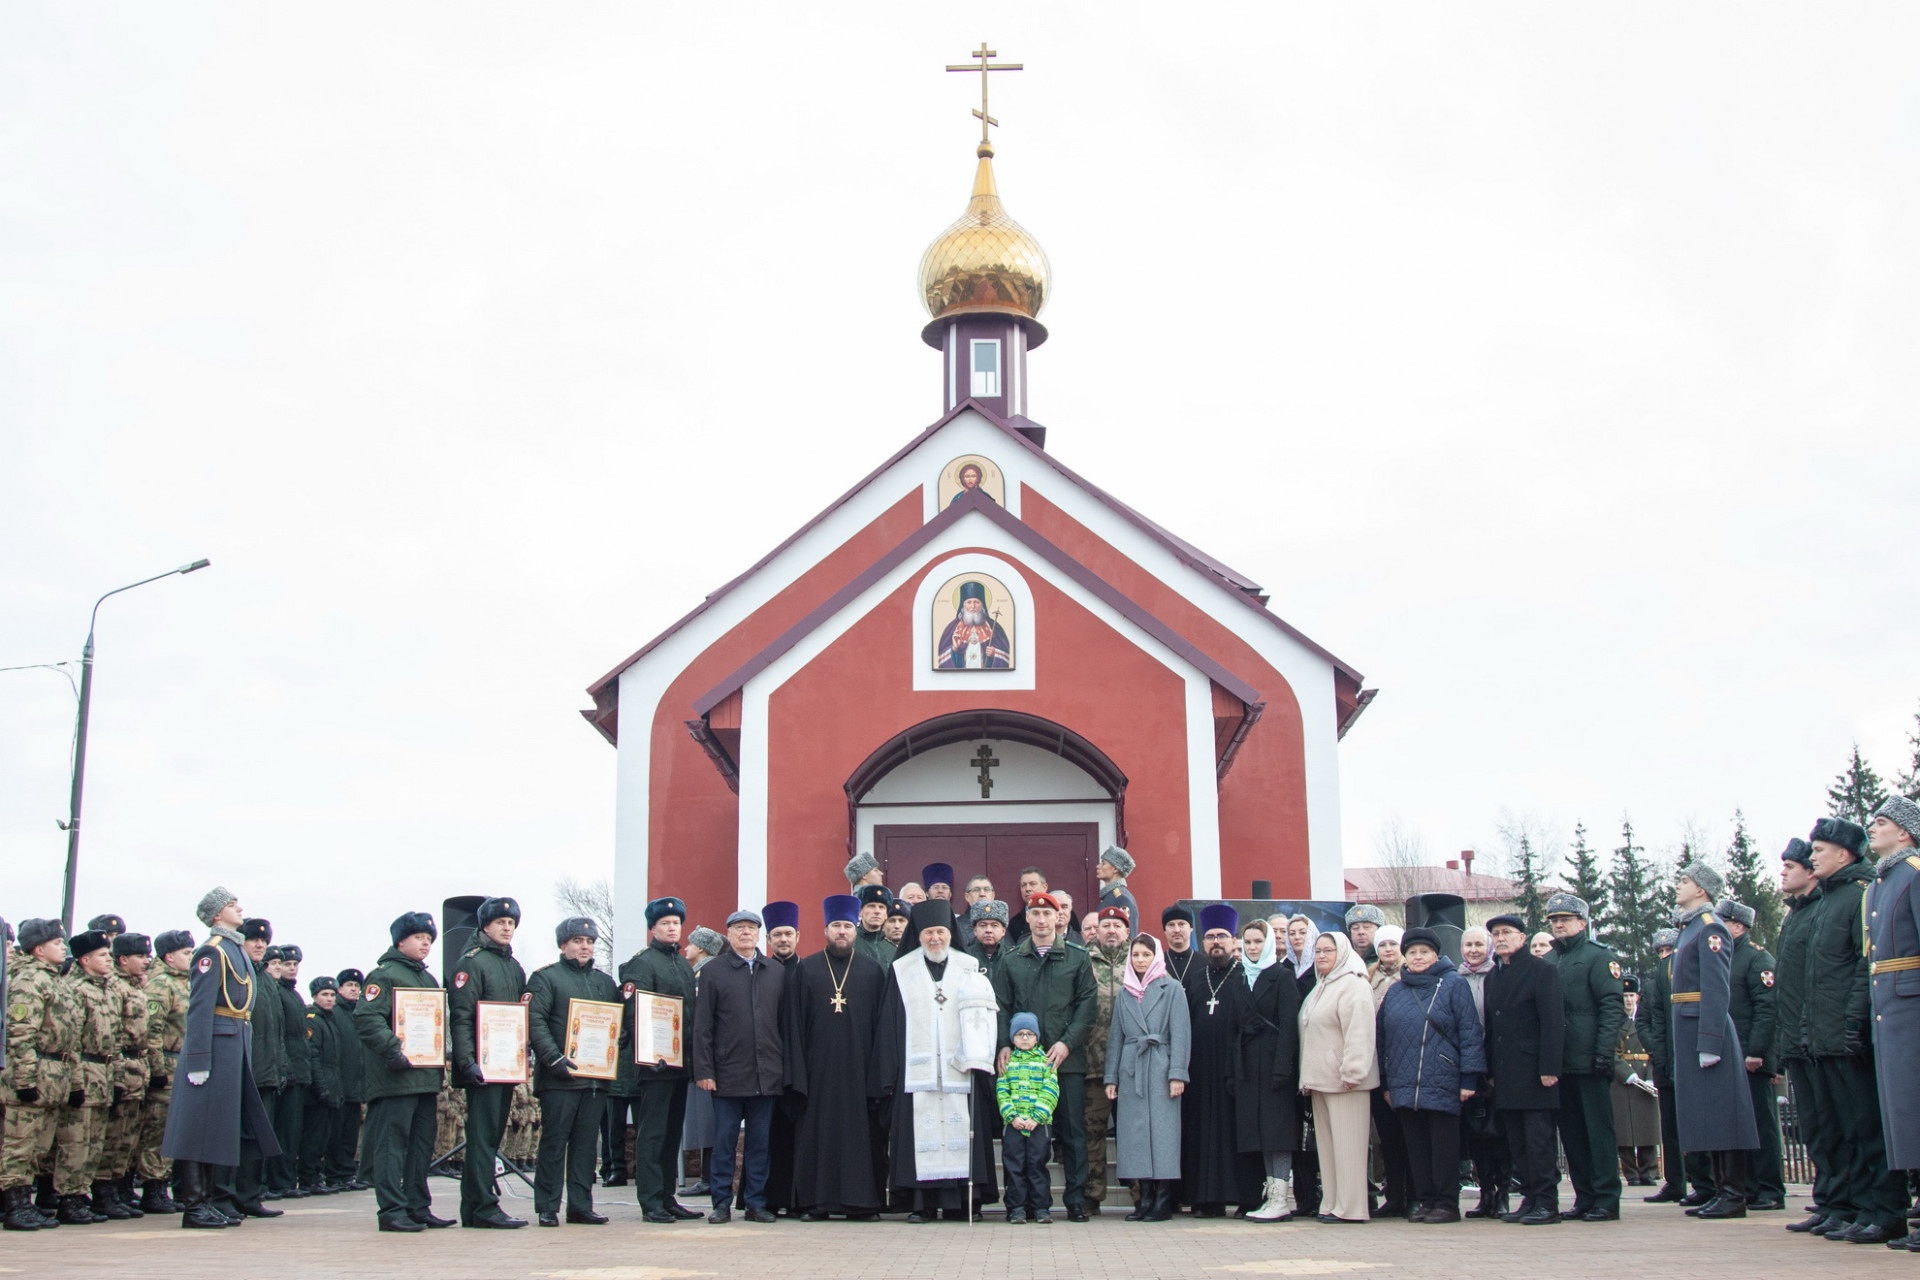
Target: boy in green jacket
x=1027 y=1091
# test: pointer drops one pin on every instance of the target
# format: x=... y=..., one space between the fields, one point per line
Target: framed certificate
x=500 y=1041
x=657 y=1030
x=593 y=1038
x=420 y=1021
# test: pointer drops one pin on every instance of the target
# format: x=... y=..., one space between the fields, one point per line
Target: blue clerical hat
x=780 y=915
x=1218 y=915
x=841 y=906
x=937 y=873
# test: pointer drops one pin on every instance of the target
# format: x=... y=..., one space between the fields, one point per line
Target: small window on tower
x=986 y=367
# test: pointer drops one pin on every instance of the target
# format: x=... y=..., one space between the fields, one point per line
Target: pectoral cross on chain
x=1213 y=1002
x=939 y=996
x=985 y=758
x=839 y=1002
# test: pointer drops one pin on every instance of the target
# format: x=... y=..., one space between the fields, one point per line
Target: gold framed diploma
x=420 y=1022
x=500 y=1041
x=658 y=1032
x=593 y=1039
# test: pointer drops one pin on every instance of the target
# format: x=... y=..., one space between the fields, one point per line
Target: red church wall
x=693 y=818
x=851 y=698
x=1263 y=798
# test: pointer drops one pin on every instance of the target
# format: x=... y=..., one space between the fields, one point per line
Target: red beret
x=1116 y=913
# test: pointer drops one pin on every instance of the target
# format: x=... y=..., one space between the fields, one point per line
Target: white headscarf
x=1268 y=953
x=1346 y=964
x=1302 y=963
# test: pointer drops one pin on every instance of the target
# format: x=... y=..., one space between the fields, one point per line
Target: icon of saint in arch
x=975 y=640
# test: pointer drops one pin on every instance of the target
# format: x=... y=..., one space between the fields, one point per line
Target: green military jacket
x=373 y=1019
x=43 y=1032
x=323 y=1061
x=1594 y=999
x=131 y=1071
x=1058 y=988
x=99 y=1014
x=166 y=993
x=554 y=988
x=1837 y=990
x=1753 y=1003
x=1109 y=977
x=660 y=968
x=487 y=972
x=293 y=1020
x=875 y=946
x=1651 y=1020
x=268 y=1026
x=353 y=1057
x=1790 y=984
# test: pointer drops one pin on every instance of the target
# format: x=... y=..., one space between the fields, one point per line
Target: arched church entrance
x=989 y=792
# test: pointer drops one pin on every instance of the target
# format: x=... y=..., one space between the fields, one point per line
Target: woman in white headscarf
x=1266 y=1093
x=1339 y=1070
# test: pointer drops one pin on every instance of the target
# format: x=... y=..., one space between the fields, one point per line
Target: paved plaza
x=335 y=1237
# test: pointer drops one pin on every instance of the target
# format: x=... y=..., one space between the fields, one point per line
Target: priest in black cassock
x=782 y=920
x=1176 y=923
x=833 y=1009
x=1216 y=1172
x=939 y=1025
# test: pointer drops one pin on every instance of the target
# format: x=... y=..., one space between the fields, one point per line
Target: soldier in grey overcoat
x=1893 y=919
x=1709 y=1068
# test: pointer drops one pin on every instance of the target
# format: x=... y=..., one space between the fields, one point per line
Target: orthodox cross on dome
x=984 y=757
x=987 y=65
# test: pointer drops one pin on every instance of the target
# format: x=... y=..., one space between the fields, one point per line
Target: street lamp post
x=72 y=823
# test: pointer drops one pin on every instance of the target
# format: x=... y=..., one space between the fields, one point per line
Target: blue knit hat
x=1023 y=1022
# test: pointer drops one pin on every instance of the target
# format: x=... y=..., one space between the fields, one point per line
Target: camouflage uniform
x=82 y=1129
x=43 y=1029
x=1109 y=976
x=130 y=1079
x=166 y=993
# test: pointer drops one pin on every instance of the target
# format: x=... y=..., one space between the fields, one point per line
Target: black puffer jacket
x=1838 y=983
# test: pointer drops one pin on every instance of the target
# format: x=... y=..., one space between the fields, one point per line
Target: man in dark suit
x=1526 y=1027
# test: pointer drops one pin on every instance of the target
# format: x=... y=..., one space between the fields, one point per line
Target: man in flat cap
x=571 y=1104
x=1894 y=923
x=739 y=1060
x=659 y=1088
x=167 y=991
x=1868 y=1203
x=1115 y=865
x=1798 y=890
x=217 y=1122
x=43 y=1032
x=401 y=1098
x=1754 y=1005
x=486 y=971
x=1592 y=995
x=834 y=1002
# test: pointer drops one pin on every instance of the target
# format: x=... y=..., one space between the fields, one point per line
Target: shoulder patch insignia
x=206 y=963
x=628 y=991
x=1613 y=967
x=1713 y=943
x=373 y=991
x=526 y=997
x=460 y=980
x=1766 y=977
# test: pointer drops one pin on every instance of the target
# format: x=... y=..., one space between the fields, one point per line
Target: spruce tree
x=1857 y=791
x=1909 y=783
x=1637 y=903
x=1531 y=902
x=1589 y=879
x=1749 y=880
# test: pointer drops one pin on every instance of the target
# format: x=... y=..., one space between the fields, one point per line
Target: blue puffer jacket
x=1431 y=1045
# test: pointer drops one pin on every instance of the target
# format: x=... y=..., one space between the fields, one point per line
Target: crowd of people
x=1260 y=1067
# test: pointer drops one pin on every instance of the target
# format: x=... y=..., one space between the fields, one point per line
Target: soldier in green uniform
x=1636 y=1115
x=43 y=1031
x=400 y=1096
x=290 y=1108
x=1592 y=996
x=82 y=1132
x=1108 y=959
x=242 y=1192
x=871 y=938
x=899 y=913
x=343 y=1162
x=166 y=991
x=487 y=971
x=1797 y=887
x=1752 y=1005
x=132 y=954
x=570 y=1104
x=320 y=1114
x=659 y=1091
x=987 y=926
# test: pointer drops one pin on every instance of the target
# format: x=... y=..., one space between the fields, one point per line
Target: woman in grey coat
x=1147 y=1050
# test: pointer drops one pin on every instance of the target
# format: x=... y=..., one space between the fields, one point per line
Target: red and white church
x=1035 y=670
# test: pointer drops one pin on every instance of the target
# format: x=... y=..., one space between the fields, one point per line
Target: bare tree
x=594 y=900
x=1544 y=837
x=1402 y=857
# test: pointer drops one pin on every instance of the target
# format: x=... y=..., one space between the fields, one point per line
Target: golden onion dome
x=985 y=262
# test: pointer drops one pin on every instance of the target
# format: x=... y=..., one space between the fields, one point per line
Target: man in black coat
x=739 y=1058
x=1526 y=1028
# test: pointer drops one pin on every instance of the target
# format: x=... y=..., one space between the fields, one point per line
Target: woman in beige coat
x=1339 y=1070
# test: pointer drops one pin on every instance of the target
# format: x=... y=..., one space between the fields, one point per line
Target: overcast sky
x=1553 y=365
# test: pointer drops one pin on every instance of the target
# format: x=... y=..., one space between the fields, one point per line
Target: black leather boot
x=104 y=1204
x=128 y=1195
x=76 y=1211
x=19 y=1214
x=154 y=1198
x=196 y=1212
